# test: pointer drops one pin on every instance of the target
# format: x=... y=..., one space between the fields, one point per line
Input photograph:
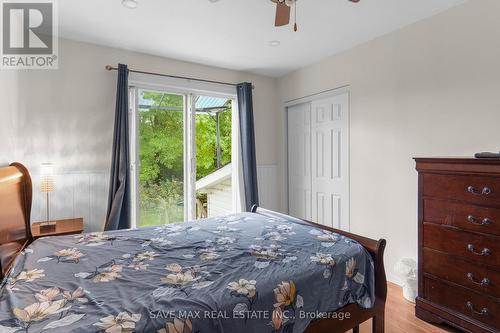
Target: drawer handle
x=485 y=191
x=472 y=219
x=484 y=282
x=484 y=252
x=483 y=312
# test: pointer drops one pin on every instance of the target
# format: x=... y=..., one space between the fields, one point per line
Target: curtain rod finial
x=108 y=67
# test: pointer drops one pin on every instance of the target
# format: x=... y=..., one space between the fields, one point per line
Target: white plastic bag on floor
x=407 y=269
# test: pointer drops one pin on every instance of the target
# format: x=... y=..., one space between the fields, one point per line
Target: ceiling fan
x=283 y=12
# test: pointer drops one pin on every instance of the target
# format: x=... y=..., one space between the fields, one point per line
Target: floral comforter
x=238 y=273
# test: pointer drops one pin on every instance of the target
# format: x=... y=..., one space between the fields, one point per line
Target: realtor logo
x=29 y=34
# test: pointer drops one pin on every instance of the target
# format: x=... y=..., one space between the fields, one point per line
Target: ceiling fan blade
x=282 y=14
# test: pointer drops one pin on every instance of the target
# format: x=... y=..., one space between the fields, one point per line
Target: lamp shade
x=47 y=178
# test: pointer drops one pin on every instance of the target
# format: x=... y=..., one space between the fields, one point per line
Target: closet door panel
x=330 y=161
x=299 y=161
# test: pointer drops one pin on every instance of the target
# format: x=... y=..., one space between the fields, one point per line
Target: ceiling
x=235 y=34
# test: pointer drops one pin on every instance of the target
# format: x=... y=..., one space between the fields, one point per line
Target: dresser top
x=458 y=160
x=458 y=164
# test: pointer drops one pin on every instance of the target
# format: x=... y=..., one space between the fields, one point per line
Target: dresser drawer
x=471 y=304
x=483 y=249
x=462 y=272
x=482 y=190
x=467 y=217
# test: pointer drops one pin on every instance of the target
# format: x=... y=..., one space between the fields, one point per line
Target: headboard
x=15 y=210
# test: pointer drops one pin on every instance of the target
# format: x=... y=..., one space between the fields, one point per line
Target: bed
x=252 y=272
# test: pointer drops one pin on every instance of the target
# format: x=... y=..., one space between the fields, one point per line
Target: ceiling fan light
x=131 y=4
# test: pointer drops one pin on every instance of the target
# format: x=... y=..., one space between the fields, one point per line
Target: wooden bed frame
x=358 y=315
x=15 y=211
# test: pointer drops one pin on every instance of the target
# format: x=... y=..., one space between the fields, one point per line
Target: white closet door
x=330 y=161
x=299 y=161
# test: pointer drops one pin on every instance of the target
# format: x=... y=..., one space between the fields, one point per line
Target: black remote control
x=487 y=155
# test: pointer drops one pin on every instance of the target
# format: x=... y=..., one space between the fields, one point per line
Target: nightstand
x=63 y=227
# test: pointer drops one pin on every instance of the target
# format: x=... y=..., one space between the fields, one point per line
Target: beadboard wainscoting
x=267 y=178
x=84 y=194
x=76 y=194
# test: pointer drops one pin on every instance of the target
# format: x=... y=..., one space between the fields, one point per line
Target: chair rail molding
x=84 y=194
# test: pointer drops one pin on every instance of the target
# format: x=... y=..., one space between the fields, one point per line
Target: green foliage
x=161 y=139
x=161 y=155
x=161 y=203
x=206 y=142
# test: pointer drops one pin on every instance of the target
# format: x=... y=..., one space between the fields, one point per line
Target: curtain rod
x=111 y=68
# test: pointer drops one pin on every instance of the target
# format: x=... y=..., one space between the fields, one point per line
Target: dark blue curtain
x=247 y=133
x=118 y=214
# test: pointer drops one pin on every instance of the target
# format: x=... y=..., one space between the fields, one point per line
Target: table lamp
x=47 y=186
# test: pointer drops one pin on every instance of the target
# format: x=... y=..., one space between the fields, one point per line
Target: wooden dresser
x=459 y=242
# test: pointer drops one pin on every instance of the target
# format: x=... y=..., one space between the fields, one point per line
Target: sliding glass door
x=181 y=154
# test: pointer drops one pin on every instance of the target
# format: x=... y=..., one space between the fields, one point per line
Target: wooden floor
x=400 y=316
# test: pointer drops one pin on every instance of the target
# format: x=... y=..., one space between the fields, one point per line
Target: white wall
x=430 y=89
x=220 y=199
x=268 y=182
x=66 y=117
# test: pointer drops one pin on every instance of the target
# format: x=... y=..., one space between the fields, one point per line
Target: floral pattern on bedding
x=238 y=273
